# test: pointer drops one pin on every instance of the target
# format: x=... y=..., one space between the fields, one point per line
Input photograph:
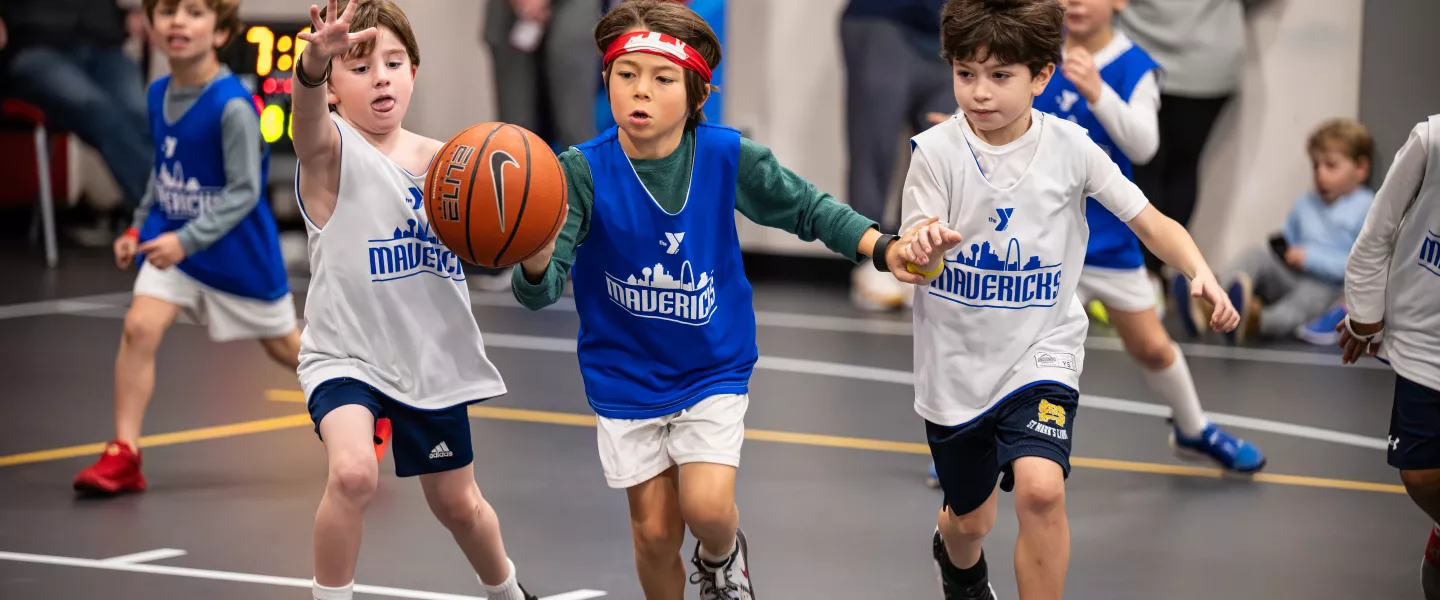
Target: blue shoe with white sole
x=1218 y=446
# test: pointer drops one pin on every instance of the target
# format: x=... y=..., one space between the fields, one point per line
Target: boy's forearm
x=1170 y=242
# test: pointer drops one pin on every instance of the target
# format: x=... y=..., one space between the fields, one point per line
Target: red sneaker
x=382 y=437
x=117 y=472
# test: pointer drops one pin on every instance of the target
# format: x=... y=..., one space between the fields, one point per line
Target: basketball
x=495 y=195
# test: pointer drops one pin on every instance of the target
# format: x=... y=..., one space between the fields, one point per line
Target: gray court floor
x=830 y=492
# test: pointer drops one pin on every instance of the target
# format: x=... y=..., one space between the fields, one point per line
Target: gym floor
x=831 y=490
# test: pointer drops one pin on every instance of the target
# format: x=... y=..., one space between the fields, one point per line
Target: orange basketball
x=495 y=195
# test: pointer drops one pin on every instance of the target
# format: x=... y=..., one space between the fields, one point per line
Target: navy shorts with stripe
x=424 y=441
x=1036 y=420
x=1414 y=427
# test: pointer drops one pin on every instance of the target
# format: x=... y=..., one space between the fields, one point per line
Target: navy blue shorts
x=1414 y=427
x=424 y=441
x=1034 y=421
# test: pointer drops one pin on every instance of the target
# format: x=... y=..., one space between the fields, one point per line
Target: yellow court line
x=783 y=437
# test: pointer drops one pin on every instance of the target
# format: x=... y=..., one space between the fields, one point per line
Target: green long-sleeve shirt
x=765 y=192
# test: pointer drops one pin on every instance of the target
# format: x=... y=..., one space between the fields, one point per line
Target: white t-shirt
x=1394 y=268
x=1003 y=313
x=388 y=304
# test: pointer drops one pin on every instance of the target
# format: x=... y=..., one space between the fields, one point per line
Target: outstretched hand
x=917 y=246
x=332 y=37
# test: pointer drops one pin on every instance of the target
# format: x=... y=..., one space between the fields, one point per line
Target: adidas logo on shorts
x=441 y=451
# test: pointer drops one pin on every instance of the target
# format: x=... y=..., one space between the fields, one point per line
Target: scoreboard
x=264 y=59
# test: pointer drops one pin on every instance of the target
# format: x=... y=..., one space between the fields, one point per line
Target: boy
x=1108 y=86
x=203 y=235
x=1299 y=278
x=398 y=346
x=667 y=325
x=999 y=341
x=1392 y=281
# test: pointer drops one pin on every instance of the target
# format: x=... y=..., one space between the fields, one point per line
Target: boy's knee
x=459 y=513
x=1422 y=483
x=1153 y=354
x=657 y=538
x=142 y=331
x=708 y=512
x=355 y=480
x=1040 y=493
x=974 y=525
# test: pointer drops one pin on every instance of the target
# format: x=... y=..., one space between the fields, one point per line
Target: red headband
x=659 y=44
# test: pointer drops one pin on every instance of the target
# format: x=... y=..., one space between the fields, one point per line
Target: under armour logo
x=672 y=242
x=1004 y=221
x=1394 y=442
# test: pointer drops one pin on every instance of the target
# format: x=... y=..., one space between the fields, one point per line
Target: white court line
x=904 y=329
x=62 y=306
x=899 y=377
x=145 y=557
x=66 y=561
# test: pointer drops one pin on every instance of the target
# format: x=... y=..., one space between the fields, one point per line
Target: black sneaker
x=950 y=585
x=730 y=581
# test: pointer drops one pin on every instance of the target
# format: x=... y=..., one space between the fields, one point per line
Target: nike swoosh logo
x=498 y=160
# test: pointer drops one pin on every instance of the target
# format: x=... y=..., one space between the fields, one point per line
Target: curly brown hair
x=1028 y=32
x=673 y=19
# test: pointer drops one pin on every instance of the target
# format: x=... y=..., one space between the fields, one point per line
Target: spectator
x=1200 y=45
x=894 y=80
x=66 y=57
x=1301 y=273
x=546 y=68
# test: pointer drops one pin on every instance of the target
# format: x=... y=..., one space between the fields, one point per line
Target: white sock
x=344 y=592
x=1174 y=384
x=507 y=590
x=717 y=559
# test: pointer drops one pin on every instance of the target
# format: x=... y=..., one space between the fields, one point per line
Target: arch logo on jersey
x=412 y=250
x=1430 y=252
x=981 y=278
x=180 y=198
x=687 y=298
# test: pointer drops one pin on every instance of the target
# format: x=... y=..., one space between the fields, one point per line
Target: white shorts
x=634 y=451
x=1126 y=290
x=228 y=316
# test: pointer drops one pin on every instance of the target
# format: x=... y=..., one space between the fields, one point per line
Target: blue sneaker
x=932 y=480
x=1321 y=331
x=1180 y=291
x=1218 y=446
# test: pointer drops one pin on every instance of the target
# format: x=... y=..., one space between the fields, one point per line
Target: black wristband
x=877 y=255
x=305 y=81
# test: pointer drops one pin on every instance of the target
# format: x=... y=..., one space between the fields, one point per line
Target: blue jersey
x=1112 y=244
x=666 y=313
x=189 y=178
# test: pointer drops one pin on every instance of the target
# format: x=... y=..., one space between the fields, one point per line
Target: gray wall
x=1399 y=72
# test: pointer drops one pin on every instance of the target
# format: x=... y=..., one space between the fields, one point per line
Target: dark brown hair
x=670 y=18
x=227 y=15
x=1028 y=32
x=377 y=14
x=1346 y=135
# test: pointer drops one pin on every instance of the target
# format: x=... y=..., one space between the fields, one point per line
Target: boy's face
x=1336 y=174
x=186 y=30
x=647 y=96
x=1088 y=17
x=995 y=95
x=373 y=92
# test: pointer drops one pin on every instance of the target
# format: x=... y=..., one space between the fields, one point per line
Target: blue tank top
x=666 y=313
x=1112 y=244
x=189 y=178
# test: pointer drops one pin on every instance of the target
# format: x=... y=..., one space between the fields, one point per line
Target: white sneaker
x=873 y=291
x=730 y=581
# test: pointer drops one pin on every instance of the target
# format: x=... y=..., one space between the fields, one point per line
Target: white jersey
x=388 y=304
x=1003 y=314
x=1394 y=269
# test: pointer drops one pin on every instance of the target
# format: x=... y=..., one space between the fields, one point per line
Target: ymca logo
x=984 y=280
x=1052 y=413
x=1068 y=98
x=1430 y=252
x=441 y=451
x=672 y=242
x=1004 y=218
